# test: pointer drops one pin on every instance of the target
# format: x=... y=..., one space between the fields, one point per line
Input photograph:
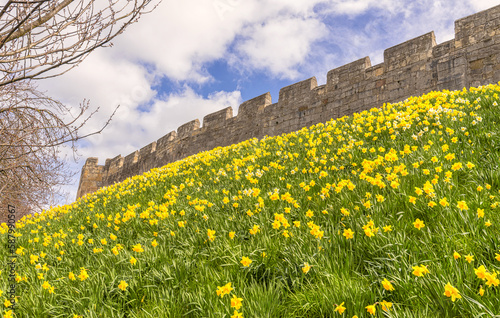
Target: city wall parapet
x=414 y=67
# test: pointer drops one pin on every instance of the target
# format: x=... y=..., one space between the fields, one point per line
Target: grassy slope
x=360 y=173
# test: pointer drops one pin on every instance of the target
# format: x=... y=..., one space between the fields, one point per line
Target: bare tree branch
x=46 y=38
x=42 y=39
x=33 y=126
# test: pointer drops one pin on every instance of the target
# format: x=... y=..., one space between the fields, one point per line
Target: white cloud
x=479 y=5
x=286 y=39
x=106 y=81
x=168 y=114
x=180 y=36
x=133 y=129
x=279 y=45
x=353 y=8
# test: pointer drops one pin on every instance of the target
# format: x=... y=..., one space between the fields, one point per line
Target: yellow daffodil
x=387 y=285
x=236 y=302
x=371 y=309
x=245 y=261
x=418 y=224
x=340 y=308
x=450 y=291
x=123 y=285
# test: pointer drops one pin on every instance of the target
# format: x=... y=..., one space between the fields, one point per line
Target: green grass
x=380 y=168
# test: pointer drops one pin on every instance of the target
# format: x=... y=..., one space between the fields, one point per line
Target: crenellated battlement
x=414 y=67
x=217 y=119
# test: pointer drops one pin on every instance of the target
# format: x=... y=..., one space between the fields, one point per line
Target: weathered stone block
x=409 y=52
x=298 y=93
x=254 y=106
x=188 y=128
x=131 y=158
x=218 y=118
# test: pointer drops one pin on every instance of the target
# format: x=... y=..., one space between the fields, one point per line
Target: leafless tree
x=32 y=128
x=45 y=38
x=41 y=39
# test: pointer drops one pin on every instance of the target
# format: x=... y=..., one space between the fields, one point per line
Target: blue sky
x=190 y=58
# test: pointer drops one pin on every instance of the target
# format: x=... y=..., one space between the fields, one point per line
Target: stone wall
x=414 y=67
